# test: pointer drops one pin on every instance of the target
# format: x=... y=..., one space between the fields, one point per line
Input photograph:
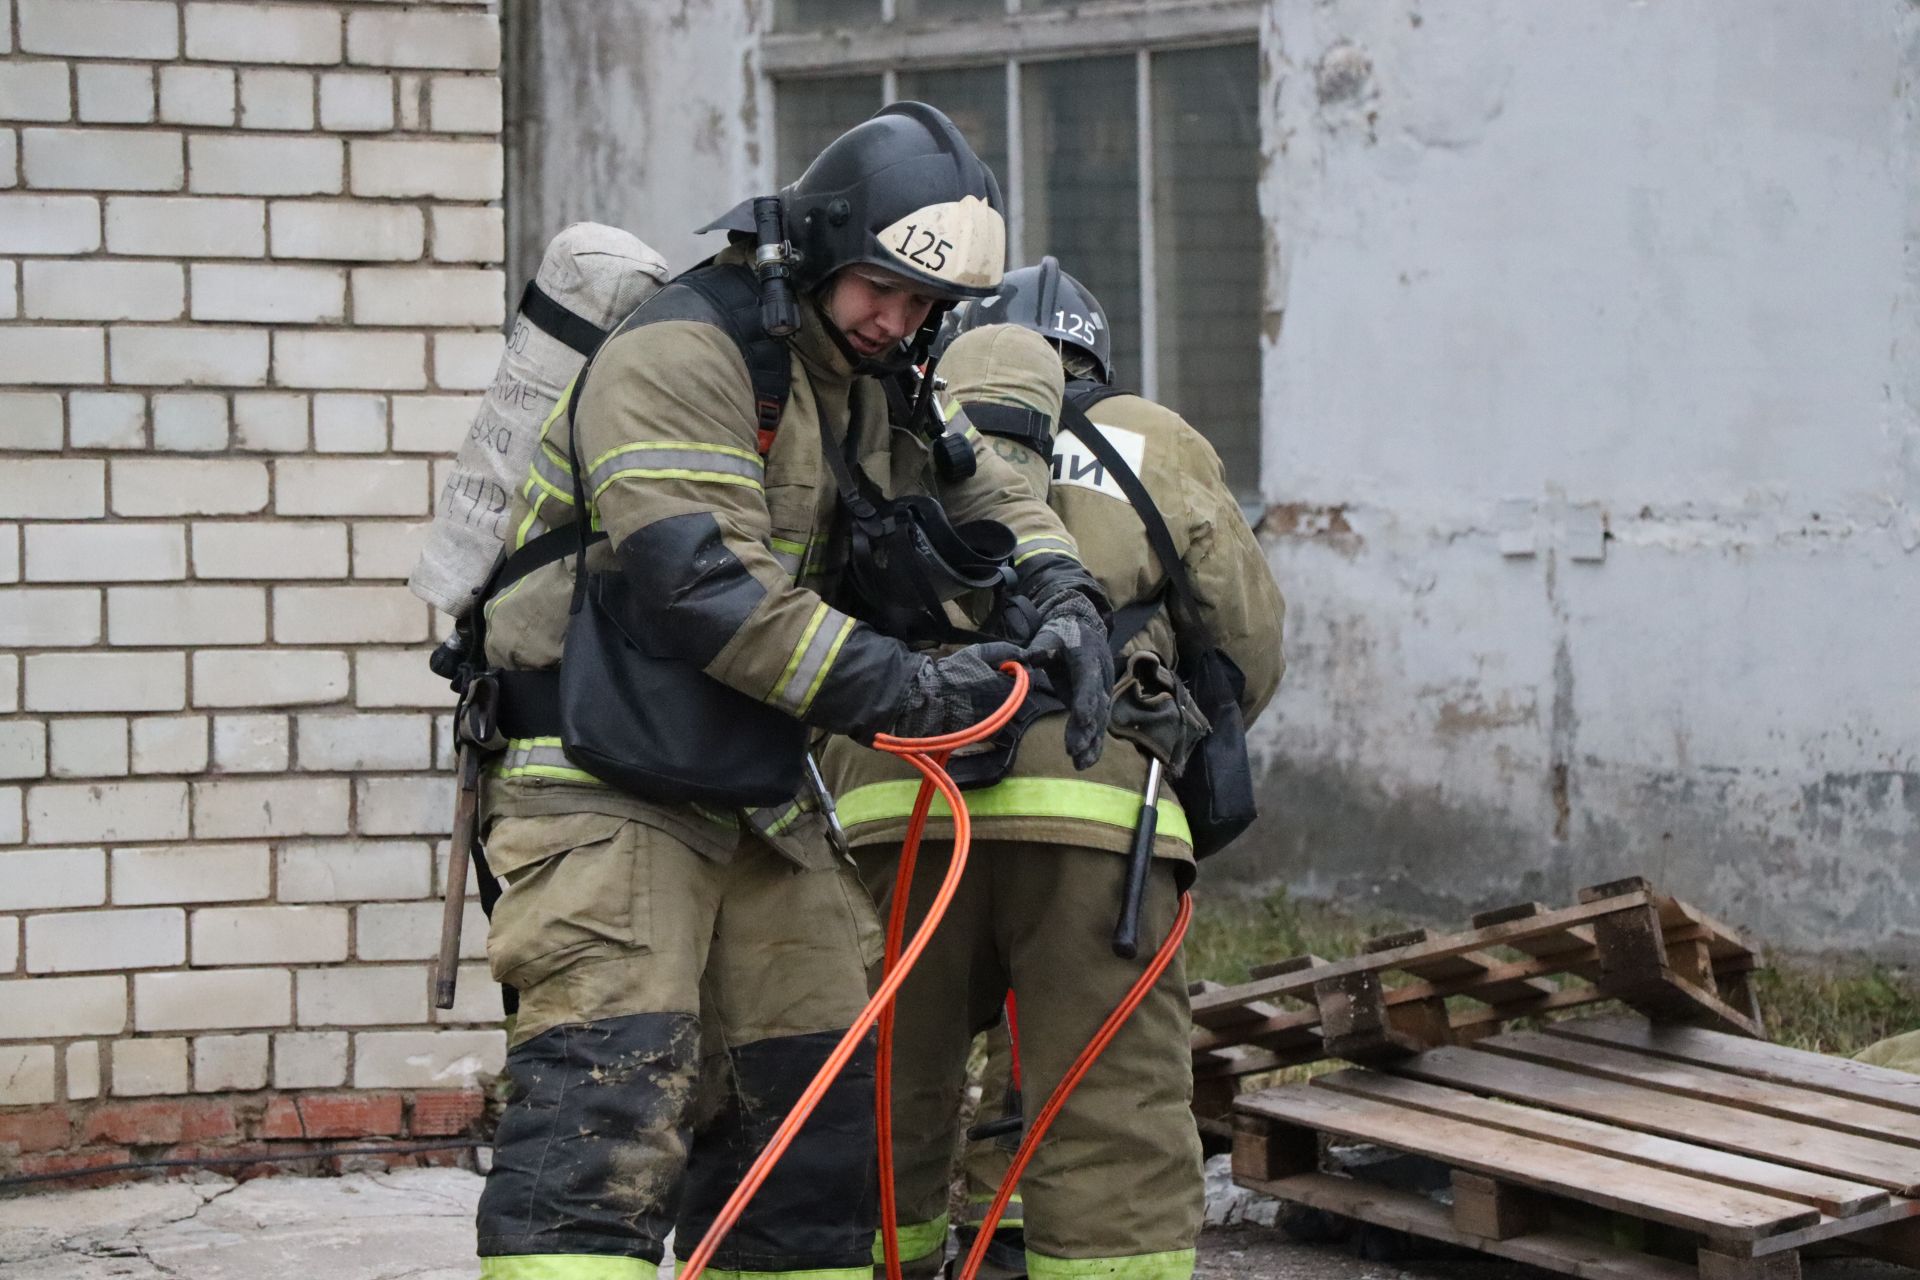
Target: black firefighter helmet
x=902 y=191
x=1048 y=301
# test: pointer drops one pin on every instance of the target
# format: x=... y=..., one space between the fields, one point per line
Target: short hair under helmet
x=902 y=191
x=1048 y=301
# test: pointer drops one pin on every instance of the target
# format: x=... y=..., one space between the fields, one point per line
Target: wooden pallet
x=1728 y=1151
x=1418 y=990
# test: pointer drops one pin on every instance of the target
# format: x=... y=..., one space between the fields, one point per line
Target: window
x=1133 y=160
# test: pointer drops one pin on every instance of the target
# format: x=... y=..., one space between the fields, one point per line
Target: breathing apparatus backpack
x=624 y=709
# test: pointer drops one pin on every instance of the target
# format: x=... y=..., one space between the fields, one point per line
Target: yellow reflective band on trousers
x=1019 y=798
x=540 y=758
x=1176 y=1264
x=917 y=1240
x=819 y=1273
x=566 y=1266
x=1014 y=1215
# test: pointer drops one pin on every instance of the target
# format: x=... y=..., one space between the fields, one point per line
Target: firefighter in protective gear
x=682 y=971
x=1116 y=1189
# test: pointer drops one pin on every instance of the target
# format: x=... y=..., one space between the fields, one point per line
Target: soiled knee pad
x=591 y=1148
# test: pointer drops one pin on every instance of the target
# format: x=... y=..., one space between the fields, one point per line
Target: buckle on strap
x=478 y=715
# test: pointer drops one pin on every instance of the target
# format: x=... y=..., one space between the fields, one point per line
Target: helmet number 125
x=918 y=253
x=1075 y=326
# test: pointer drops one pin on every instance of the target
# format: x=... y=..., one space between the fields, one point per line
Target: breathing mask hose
x=926 y=755
x=977 y=1255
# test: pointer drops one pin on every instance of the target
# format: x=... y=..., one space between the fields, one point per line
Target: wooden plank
x=1843 y=1155
x=1292 y=964
x=1715 y=1211
x=1899 y=1214
x=1848 y=1115
x=1553 y=922
x=1830 y=1195
x=1473 y=967
x=1416 y=1215
x=1763 y=1061
x=1225 y=1028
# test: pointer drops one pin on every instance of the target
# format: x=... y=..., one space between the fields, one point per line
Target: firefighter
x=1116 y=1188
x=683 y=969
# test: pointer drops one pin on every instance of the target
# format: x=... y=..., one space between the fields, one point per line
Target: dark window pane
x=813 y=15
x=1207 y=251
x=928 y=12
x=976 y=100
x=812 y=113
x=1082 y=186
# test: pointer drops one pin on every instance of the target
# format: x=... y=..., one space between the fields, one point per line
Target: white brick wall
x=249 y=289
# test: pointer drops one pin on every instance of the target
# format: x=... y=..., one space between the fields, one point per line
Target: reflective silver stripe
x=540 y=758
x=660 y=460
x=788 y=555
x=818 y=643
x=553 y=471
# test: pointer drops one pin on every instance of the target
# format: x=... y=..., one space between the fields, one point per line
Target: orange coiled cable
x=925 y=755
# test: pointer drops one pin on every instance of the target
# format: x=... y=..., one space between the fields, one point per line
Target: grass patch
x=1833 y=1006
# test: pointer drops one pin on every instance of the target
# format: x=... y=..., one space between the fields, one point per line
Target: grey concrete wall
x=1592 y=414
x=645 y=114
x=1593 y=438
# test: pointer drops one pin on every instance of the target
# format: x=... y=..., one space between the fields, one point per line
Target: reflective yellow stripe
x=566 y=1266
x=917 y=1240
x=846 y=629
x=1013 y=1216
x=775 y=819
x=675 y=460
x=1019 y=798
x=1176 y=1264
x=790 y=555
x=1044 y=546
x=540 y=758
x=779 y=694
x=821 y=1273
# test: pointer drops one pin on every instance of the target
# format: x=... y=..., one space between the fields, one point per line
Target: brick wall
x=249 y=290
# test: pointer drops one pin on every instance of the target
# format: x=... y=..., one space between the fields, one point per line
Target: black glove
x=958 y=691
x=1071 y=645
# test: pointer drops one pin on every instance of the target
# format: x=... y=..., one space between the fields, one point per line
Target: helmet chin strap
x=902 y=357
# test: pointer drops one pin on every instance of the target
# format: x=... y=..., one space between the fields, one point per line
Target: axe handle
x=1126 y=930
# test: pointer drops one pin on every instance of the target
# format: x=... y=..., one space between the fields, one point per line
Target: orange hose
x=1081 y=1065
x=925 y=755
x=883 y=1057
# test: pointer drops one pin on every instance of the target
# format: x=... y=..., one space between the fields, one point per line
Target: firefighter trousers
x=1116 y=1188
x=672 y=1008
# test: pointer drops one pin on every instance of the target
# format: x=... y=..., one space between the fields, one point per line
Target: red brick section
x=47 y=1130
x=162 y=1120
x=87 y=1135
x=335 y=1115
x=438 y=1115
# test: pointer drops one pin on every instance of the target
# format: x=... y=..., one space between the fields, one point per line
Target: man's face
x=876 y=309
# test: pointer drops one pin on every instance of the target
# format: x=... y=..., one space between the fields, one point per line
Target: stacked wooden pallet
x=1722 y=1155
x=1416 y=990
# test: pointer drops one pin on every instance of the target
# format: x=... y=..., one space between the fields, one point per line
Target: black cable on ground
x=265 y=1157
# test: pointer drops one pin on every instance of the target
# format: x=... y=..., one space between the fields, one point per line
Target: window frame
x=1093 y=28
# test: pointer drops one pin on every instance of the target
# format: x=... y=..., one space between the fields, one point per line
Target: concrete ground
x=417 y=1224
